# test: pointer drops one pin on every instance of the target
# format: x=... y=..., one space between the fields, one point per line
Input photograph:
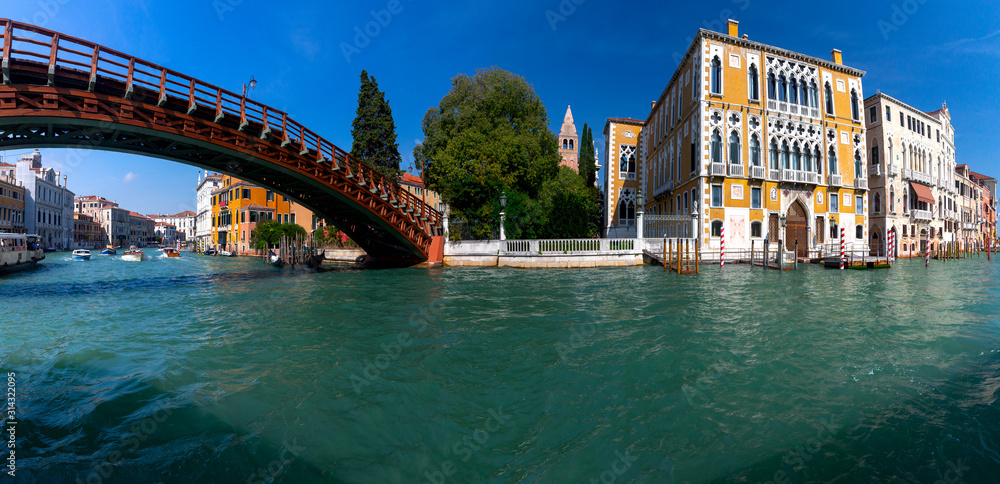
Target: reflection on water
x=204 y=369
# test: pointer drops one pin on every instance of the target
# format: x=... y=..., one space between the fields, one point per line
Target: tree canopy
x=374 y=130
x=268 y=234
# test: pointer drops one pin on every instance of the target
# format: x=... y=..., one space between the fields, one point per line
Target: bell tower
x=569 y=141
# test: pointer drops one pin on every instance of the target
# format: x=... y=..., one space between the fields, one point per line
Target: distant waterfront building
x=12 y=196
x=415 y=185
x=238 y=206
x=569 y=142
x=203 y=219
x=760 y=141
x=989 y=205
x=114 y=220
x=141 y=230
x=184 y=224
x=86 y=232
x=622 y=176
x=166 y=232
x=912 y=168
x=48 y=204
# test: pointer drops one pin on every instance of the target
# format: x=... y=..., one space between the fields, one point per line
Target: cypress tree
x=374 y=130
x=588 y=171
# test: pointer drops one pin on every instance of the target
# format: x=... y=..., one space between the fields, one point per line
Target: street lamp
x=253 y=85
x=503 y=214
x=640 y=201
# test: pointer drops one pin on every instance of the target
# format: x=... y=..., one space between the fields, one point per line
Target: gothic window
x=819 y=161
x=627 y=159
x=793 y=92
x=858 y=173
x=782 y=88
x=774 y=155
x=855 y=110
x=716 y=148
x=754 y=151
x=813 y=94
x=716 y=75
x=772 y=86
x=874 y=157
x=804 y=99
x=734 y=148
x=828 y=93
x=784 y=156
x=754 y=82
x=833 y=161
x=877 y=203
x=796 y=158
x=807 y=160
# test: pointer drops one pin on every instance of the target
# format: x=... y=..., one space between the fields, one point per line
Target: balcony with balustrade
x=666 y=187
x=735 y=169
x=917 y=176
x=861 y=183
x=874 y=170
x=717 y=169
x=758 y=172
x=798 y=176
x=922 y=215
x=892 y=169
x=835 y=180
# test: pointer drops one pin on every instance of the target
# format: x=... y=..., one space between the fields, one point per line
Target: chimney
x=64 y=181
x=838 y=57
x=734 y=28
x=652 y=105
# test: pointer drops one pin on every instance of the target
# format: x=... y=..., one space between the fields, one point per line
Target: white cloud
x=130 y=177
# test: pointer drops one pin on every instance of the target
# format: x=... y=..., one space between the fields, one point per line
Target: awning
x=923 y=192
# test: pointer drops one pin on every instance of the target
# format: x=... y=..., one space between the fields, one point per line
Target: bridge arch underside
x=34 y=115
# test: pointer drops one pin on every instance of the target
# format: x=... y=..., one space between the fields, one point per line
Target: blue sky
x=603 y=59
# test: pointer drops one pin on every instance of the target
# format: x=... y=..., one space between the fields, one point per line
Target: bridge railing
x=141 y=79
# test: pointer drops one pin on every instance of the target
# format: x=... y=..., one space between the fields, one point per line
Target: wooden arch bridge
x=59 y=91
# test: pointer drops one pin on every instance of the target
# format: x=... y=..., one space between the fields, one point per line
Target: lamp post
x=503 y=215
x=784 y=221
x=640 y=203
x=252 y=83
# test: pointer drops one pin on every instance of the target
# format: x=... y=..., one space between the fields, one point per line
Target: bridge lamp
x=503 y=215
x=252 y=83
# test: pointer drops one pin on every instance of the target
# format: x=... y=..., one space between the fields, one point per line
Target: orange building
x=86 y=232
x=238 y=206
x=11 y=202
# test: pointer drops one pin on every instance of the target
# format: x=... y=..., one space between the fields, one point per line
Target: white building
x=48 y=205
x=184 y=223
x=912 y=171
x=166 y=232
x=203 y=219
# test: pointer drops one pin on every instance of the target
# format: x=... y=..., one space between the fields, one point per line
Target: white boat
x=133 y=255
x=18 y=252
x=170 y=252
x=81 y=254
x=226 y=253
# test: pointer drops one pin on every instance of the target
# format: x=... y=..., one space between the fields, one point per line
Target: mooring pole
x=796 y=264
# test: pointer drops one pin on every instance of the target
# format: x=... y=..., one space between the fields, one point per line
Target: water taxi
x=170 y=252
x=109 y=250
x=133 y=255
x=18 y=252
x=81 y=254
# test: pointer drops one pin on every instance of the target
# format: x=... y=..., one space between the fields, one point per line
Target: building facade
x=203 y=218
x=415 y=185
x=11 y=202
x=86 y=232
x=763 y=142
x=184 y=224
x=115 y=221
x=48 y=204
x=141 y=230
x=912 y=167
x=237 y=208
x=622 y=176
x=569 y=142
x=167 y=233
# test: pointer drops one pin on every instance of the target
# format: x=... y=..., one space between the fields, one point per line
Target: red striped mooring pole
x=722 y=250
x=843 y=257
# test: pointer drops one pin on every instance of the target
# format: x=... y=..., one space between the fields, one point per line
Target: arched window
x=859 y=232
x=874 y=157
x=906 y=202
x=804 y=100
x=716 y=75
x=892 y=199
x=833 y=161
x=772 y=86
x=807 y=160
x=717 y=228
x=834 y=231
x=784 y=156
x=793 y=92
x=754 y=151
x=828 y=93
x=754 y=82
x=813 y=95
x=877 y=203
x=716 y=147
x=819 y=160
x=755 y=230
x=858 y=169
x=796 y=157
x=782 y=88
x=855 y=109
x=774 y=155
x=570 y=144
x=734 y=148
x=565 y=144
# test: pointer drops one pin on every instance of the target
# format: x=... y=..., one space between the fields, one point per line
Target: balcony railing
x=735 y=169
x=835 y=180
x=717 y=169
x=874 y=170
x=892 y=169
x=861 y=183
x=774 y=174
x=798 y=176
x=969 y=226
x=921 y=214
x=758 y=172
x=663 y=188
x=917 y=176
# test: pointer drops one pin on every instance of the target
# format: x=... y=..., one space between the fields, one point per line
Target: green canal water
x=222 y=370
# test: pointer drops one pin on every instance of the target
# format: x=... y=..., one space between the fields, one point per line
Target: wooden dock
x=858 y=263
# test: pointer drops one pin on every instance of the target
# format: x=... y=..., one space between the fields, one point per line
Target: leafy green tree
x=489 y=134
x=588 y=170
x=268 y=234
x=374 y=130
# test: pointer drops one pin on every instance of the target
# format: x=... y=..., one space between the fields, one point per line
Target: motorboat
x=133 y=255
x=226 y=253
x=109 y=250
x=18 y=252
x=170 y=252
x=81 y=254
x=210 y=252
x=274 y=260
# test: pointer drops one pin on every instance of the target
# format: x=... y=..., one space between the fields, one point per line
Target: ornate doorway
x=797 y=229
